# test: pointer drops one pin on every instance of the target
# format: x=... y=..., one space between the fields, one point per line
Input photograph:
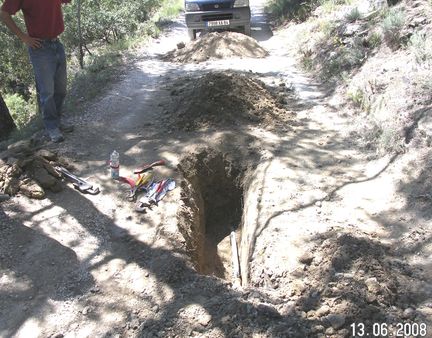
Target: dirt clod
x=32 y=189
x=336 y=320
x=306 y=258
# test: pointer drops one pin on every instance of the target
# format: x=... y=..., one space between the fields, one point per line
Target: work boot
x=66 y=127
x=55 y=135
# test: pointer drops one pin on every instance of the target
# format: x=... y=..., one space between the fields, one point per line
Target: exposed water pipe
x=235 y=260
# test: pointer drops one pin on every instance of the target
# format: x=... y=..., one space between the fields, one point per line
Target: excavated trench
x=211 y=214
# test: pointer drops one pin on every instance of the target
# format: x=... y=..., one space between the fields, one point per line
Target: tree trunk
x=7 y=124
x=81 y=49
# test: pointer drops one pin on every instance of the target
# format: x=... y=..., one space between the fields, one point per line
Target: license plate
x=218 y=23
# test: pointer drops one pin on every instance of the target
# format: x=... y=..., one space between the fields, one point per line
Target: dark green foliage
x=15 y=68
x=392 y=25
x=103 y=23
x=298 y=10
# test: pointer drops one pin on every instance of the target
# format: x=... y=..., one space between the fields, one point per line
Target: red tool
x=127 y=180
x=141 y=183
x=149 y=166
x=144 y=181
x=144 y=168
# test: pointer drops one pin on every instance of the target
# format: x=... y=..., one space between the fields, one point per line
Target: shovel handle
x=147 y=167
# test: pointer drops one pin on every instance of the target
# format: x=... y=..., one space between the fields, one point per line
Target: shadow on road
x=35 y=269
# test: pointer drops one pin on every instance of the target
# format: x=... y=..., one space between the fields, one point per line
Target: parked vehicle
x=217 y=14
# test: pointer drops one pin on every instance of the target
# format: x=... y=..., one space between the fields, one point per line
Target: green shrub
x=331 y=5
x=359 y=99
x=170 y=9
x=149 y=29
x=383 y=137
x=421 y=47
x=327 y=27
x=307 y=62
x=328 y=5
x=356 y=97
x=353 y=15
x=16 y=75
x=390 y=140
x=298 y=10
x=21 y=110
x=344 y=59
x=426 y=83
x=88 y=83
x=374 y=40
x=392 y=25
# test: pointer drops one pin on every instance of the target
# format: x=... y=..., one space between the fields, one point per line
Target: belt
x=51 y=40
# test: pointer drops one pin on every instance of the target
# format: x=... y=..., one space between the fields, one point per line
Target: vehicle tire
x=247 y=30
x=192 y=34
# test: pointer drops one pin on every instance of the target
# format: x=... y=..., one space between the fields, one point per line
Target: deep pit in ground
x=211 y=211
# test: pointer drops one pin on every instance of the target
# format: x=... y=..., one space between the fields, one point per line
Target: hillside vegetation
x=377 y=56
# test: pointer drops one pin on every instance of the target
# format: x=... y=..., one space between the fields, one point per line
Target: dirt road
x=327 y=235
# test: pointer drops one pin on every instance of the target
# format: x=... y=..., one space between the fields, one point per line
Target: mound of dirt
x=217 y=46
x=226 y=98
x=351 y=278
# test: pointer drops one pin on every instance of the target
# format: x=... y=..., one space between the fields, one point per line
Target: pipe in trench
x=235 y=260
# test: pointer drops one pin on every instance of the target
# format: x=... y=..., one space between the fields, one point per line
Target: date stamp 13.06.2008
x=389 y=330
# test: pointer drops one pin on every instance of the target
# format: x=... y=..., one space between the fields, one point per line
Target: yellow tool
x=143 y=181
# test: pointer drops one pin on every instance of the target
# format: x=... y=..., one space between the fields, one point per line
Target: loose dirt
x=217 y=45
x=328 y=235
x=355 y=276
x=226 y=99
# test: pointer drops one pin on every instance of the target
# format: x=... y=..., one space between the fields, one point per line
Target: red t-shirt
x=43 y=18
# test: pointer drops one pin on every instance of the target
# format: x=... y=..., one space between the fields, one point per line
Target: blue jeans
x=49 y=66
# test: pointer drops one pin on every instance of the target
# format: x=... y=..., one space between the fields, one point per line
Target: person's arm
x=10 y=23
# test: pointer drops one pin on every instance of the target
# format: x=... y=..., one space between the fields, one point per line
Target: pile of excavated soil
x=216 y=45
x=226 y=99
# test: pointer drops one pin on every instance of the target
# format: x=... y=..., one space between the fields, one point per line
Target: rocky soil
x=30 y=170
x=328 y=234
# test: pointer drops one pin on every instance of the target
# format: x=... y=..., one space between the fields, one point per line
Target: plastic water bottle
x=115 y=165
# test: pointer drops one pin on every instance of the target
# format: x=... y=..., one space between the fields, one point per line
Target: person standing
x=44 y=23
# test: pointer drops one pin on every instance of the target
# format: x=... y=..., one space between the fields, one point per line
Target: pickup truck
x=202 y=15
